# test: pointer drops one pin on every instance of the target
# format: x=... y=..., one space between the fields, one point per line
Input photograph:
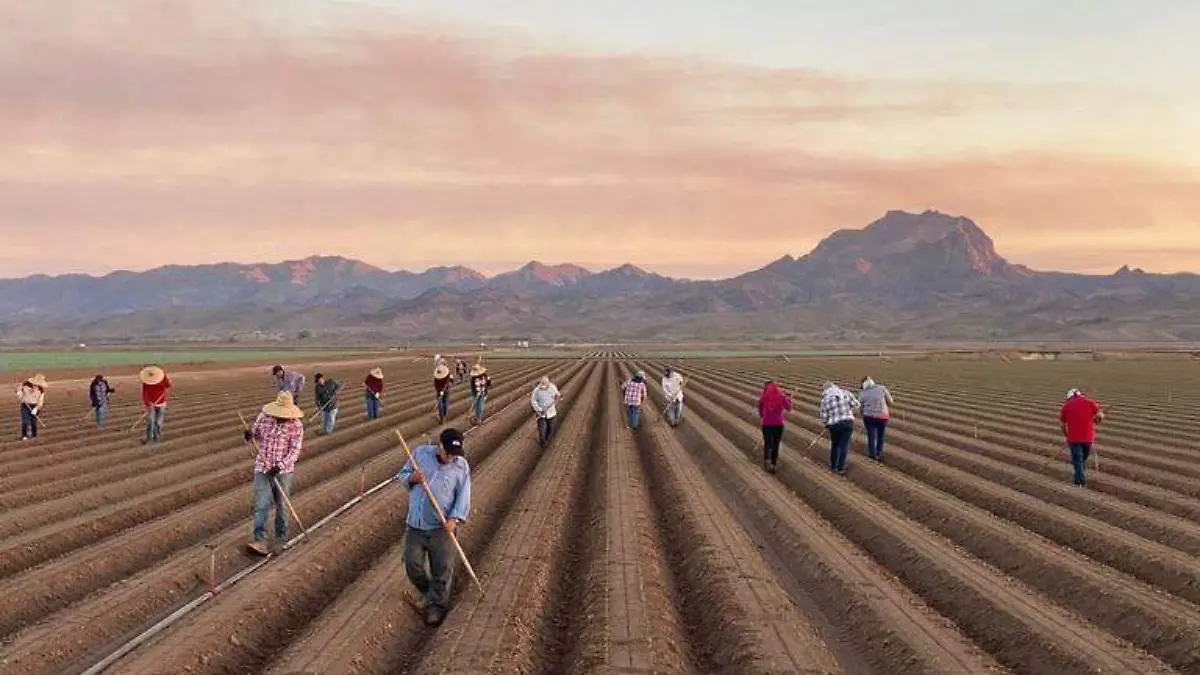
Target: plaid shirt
x=837 y=405
x=279 y=443
x=634 y=392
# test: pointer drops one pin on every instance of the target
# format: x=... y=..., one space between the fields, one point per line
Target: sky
x=697 y=139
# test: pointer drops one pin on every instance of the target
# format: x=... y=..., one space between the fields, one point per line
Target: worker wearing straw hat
x=32 y=395
x=544 y=397
x=448 y=475
x=480 y=383
x=442 y=379
x=279 y=433
x=372 y=391
x=156 y=386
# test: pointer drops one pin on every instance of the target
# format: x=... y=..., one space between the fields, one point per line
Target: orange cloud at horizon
x=211 y=130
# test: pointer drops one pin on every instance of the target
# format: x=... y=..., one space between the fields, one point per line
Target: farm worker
x=480 y=383
x=156 y=386
x=837 y=415
x=672 y=386
x=32 y=395
x=635 y=393
x=442 y=379
x=291 y=381
x=875 y=399
x=278 y=432
x=448 y=475
x=99 y=392
x=1079 y=416
x=544 y=397
x=773 y=405
x=460 y=369
x=325 y=394
x=372 y=391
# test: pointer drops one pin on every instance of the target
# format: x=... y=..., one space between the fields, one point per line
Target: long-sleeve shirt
x=543 y=401
x=99 y=393
x=279 y=443
x=773 y=405
x=442 y=386
x=291 y=381
x=450 y=484
x=634 y=392
x=673 y=388
x=875 y=401
x=156 y=394
x=837 y=405
x=480 y=385
x=326 y=394
x=373 y=386
x=31 y=396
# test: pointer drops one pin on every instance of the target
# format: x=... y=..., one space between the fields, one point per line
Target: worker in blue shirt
x=446 y=471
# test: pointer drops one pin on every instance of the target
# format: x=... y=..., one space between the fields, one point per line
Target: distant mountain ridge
x=904 y=276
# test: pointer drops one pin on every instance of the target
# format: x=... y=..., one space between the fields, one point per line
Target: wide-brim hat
x=376 y=373
x=478 y=369
x=441 y=371
x=283 y=407
x=38 y=381
x=151 y=375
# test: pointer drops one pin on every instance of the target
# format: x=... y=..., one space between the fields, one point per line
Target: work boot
x=434 y=615
x=256 y=546
x=420 y=601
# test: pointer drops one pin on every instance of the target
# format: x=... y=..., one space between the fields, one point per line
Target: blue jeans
x=443 y=405
x=373 y=406
x=674 y=412
x=265 y=493
x=154 y=422
x=29 y=422
x=839 y=444
x=101 y=415
x=545 y=427
x=434 y=546
x=635 y=415
x=876 y=431
x=329 y=417
x=480 y=404
x=1079 y=457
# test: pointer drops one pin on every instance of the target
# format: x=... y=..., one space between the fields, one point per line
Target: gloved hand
x=272 y=472
x=248 y=435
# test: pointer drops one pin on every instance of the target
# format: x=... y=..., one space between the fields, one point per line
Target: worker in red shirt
x=1079 y=417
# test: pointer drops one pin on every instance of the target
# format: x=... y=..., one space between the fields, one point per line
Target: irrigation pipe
x=178 y=614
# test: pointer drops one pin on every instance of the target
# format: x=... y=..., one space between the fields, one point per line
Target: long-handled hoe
x=441 y=515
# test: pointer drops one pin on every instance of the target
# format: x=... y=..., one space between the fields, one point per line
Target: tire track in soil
x=251 y=625
x=939 y=464
x=737 y=618
x=881 y=626
x=122 y=610
x=526 y=620
x=1023 y=630
x=372 y=627
x=191 y=484
x=1159 y=623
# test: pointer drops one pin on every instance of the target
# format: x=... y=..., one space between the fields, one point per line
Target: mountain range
x=906 y=276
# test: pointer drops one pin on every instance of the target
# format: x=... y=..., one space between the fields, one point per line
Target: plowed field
x=668 y=550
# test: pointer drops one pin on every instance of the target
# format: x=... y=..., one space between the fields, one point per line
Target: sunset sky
x=695 y=138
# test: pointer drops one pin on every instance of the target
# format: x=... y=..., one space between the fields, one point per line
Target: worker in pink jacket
x=773 y=405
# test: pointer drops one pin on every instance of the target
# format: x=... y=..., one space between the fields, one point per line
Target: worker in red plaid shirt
x=278 y=433
x=635 y=393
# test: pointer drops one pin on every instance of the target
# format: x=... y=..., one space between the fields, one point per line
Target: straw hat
x=376 y=373
x=38 y=381
x=283 y=407
x=151 y=375
x=441 y=371
x=478 y=369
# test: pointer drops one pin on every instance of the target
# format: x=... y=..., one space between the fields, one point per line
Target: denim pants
x=329 y=417
x=545 y=426
x=29 y=422
x=443 y=405
x=480 y=404
x=373 y=406
x=101 y=415
x=674 y=413
x=772 y=435
x=154 y=422
x=876 y=431
x=1079 y=457
x=839 y=444
x=265 y=493
x=635 y=414
x=434 y=547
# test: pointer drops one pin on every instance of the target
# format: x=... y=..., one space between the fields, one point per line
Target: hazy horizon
x=698 y=139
